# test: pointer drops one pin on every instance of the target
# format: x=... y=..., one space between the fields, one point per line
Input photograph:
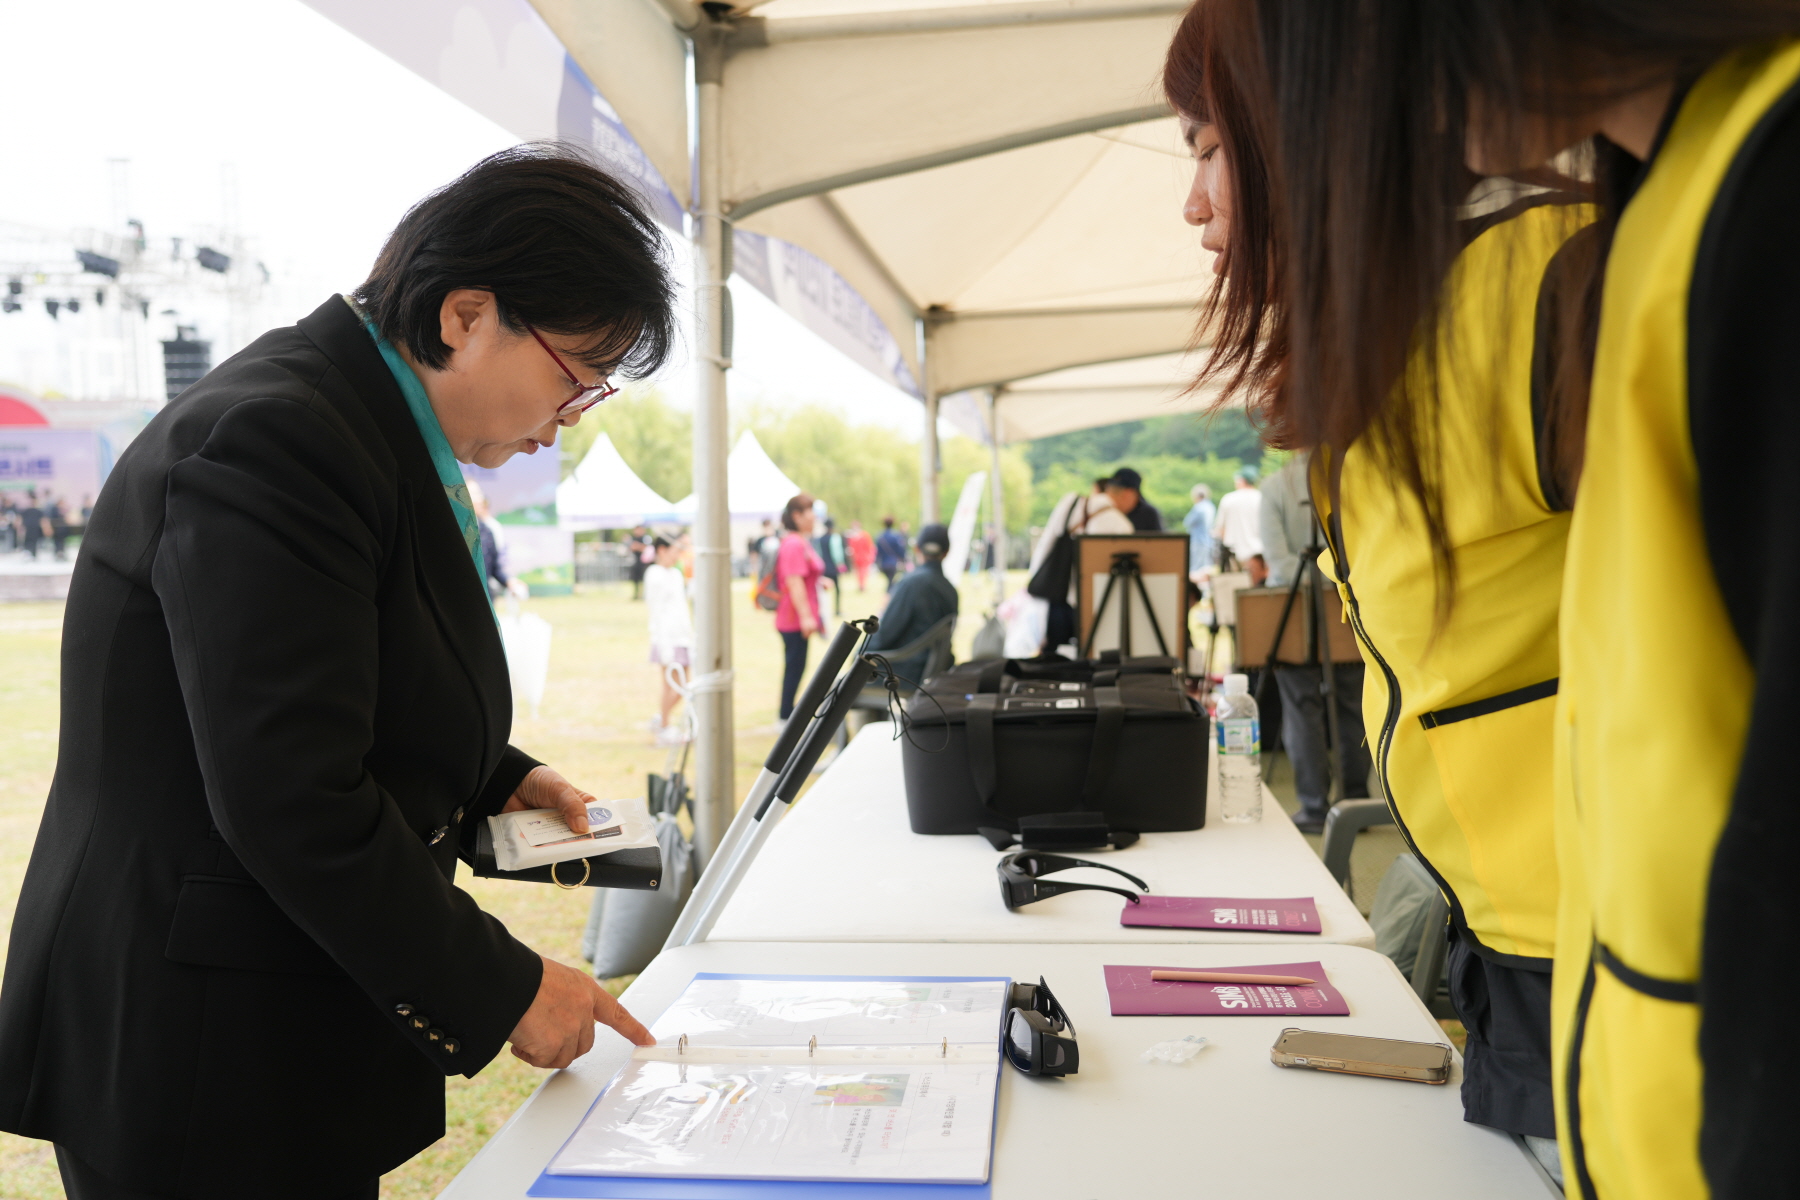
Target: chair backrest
x=1346 y=819
x=1411 y=921
x=938 y=636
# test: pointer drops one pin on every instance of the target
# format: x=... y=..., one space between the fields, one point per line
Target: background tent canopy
x=756 y=489
x=605 y=493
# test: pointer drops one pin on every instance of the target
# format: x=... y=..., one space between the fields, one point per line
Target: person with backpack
x=1053 y=561
x=796 y=573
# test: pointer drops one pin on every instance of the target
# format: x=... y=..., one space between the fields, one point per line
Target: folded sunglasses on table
x=1040 y=1038
x=1020 y=883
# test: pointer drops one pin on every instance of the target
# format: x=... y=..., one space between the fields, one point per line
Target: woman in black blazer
x=239 y=966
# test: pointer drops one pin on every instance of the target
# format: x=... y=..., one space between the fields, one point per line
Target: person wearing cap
x=1125 y=486
x=919 y=600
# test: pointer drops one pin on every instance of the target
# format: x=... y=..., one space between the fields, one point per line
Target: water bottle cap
x=1237 y=685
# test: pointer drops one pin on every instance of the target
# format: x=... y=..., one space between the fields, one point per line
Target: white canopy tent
x=757 y=489
x=605 y=493
x=957 y=193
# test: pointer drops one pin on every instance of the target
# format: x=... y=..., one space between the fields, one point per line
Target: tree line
x=865 y=472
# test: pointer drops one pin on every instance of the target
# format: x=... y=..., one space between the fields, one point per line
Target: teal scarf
x=456 y=489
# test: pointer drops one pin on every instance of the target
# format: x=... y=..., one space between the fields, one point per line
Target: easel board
x=1162 y=559
x=1259 y=612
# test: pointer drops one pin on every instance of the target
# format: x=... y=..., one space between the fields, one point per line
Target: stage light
x=98 y=264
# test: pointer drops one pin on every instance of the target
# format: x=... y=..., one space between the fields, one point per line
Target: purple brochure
x=1134 y=994
x=1298 y=915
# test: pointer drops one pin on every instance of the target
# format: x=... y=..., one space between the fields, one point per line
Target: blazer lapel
x=446 y=576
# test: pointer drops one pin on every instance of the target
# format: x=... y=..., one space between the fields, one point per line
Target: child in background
x=671 y=634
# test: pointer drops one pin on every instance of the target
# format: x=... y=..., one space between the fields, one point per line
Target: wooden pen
x=1160 y=975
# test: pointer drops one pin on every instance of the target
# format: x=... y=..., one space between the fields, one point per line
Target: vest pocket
x=1635 y=1083
x=234 y=923
x=1494 y=765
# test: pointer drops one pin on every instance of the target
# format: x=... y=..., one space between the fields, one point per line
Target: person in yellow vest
x=1678 y=936
x=1457 y=696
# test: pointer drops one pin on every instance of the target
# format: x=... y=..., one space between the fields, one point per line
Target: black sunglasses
x=1040 y=1038
x=1020 y=885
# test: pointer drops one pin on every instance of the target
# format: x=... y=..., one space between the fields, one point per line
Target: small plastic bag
x=1174 y=1053
x=537 y=837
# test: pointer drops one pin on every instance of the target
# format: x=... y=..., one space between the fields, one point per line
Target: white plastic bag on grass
x=526 y=637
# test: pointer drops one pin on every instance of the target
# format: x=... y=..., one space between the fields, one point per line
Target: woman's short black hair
x=564 y=247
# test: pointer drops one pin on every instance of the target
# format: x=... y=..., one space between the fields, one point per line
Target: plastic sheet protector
x=805 y=1078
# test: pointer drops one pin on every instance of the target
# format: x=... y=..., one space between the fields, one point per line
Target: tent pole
x=997 y=497
x=928 y=461
x=711 y=687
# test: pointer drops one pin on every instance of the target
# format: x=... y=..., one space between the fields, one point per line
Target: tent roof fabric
x=605 y=493
x=1002 y=175
x=1083 y=397
x=757 y=489
x=1007 y=173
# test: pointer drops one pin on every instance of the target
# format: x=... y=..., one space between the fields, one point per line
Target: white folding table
x=845 y=866
x=1228 y=1123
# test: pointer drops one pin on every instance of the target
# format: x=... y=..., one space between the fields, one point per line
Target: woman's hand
x=558 y=1028
x=544 y=788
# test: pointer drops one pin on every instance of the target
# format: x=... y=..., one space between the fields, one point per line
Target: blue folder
x=619 y=1187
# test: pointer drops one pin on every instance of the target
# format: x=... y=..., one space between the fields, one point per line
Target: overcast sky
x=328 y=141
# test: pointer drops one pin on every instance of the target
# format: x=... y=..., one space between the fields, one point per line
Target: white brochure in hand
x=538 y=837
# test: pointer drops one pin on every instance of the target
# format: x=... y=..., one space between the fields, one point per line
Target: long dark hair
x=1361 y=131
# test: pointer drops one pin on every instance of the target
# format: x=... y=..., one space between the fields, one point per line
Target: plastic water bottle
x=1240 y=752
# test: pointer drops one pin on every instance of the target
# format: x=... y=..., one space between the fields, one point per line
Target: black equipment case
x=994 y=741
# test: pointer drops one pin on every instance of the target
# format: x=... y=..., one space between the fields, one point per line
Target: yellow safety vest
x=1642 y=799
x=1460 y=717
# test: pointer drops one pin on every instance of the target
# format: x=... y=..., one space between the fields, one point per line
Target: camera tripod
x=1308 y=581
x=1124 y=567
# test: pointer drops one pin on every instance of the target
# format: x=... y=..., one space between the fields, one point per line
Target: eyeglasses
x=1020 y=885
x=586 y=395
x=1040 y=1038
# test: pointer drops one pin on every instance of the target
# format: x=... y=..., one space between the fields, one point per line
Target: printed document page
x=726 y=1012
x=805 y=1079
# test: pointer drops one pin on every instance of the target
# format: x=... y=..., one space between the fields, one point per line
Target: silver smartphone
x=1419 y=1062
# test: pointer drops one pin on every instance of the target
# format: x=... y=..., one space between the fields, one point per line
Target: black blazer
x=238 y=965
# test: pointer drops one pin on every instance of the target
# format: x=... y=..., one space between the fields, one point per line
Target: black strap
x=1105 y=677
x=1673 y=990
x=1037 y=864
x=1047 y=888
x=989 y=678
x=981 y=745
x=1108 y=721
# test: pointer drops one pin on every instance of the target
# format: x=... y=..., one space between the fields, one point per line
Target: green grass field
x=592 y=726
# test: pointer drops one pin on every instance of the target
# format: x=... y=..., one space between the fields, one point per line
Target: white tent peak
x=605 y=493
x=756 y=489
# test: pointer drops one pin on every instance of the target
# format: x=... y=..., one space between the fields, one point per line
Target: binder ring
x=587 y=869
